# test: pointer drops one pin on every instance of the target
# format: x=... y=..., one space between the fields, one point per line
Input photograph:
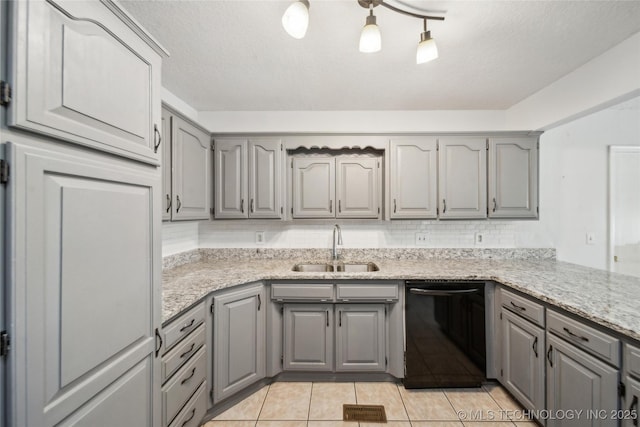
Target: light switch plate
x=260 y=237
x=479 y=239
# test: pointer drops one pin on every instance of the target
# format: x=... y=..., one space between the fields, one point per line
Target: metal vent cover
x=368 y=413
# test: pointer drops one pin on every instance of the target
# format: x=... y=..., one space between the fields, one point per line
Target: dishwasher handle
x=441 y=292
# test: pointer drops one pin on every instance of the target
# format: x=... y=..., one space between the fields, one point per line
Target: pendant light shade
x=427 y=49
x=296 y=19
x=370 y=37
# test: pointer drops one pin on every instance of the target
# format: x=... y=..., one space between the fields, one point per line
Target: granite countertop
x=609 y=299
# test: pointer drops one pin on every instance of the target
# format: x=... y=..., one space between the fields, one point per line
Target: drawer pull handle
x=633 y=409
x=535 y=346
x=259 y=302
x=242 y=206
x=193 y=372
x=191 y=349
x=188 y=325
x=193 y=412
x=158 y=140
x=158 y=342
x=580 y=337
x=444 y=206
x=327 y=318
x=519 y=307
x=549 y=356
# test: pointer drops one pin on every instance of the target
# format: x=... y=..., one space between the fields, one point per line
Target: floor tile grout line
x=404 y=405
x=263 y=402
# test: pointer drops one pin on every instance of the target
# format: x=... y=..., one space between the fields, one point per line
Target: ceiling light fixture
x=296 y=20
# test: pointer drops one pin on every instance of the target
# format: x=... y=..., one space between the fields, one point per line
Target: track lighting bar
x=296 y=20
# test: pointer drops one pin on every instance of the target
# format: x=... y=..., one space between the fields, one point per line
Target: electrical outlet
x=479 y=239
x=591 y=238
x=260 y=237
x=422 y=239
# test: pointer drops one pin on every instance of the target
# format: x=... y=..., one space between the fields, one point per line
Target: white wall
x=574 y=180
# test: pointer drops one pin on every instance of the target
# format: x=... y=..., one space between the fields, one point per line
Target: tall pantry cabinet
x=83 y=213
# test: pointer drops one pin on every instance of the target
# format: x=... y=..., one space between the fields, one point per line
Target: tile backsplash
x=184 y=236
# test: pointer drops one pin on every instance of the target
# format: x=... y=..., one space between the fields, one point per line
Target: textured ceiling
x=234 y=55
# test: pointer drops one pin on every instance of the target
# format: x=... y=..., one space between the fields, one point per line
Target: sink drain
x=369 y=413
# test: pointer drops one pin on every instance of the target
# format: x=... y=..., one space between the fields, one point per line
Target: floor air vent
x=368 y=413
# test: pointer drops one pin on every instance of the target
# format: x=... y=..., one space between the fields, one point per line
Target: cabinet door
x=85 y=289
x=191 y=171
x=630 y=402
x=463 y=177
x=413 y=178
x=239 y=340
x=523 y=360
x=308 y=337
x=360 y=337
x=313 y=187
x=230 y=169
x=167 y=195
x=358 y=187
x=84 y=76
x=265 y=178
x=513 y=177
x=578 y=381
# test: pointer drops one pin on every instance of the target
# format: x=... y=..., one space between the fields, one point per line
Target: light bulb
x=370 y=37
x=427 y=49
x=296 y=19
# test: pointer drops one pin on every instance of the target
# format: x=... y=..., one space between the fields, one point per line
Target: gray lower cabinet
x=238 y=339
x=523 y=360
x=308 y=337
x=84 y=316
x=630 y=400
x=578 y=381
x=360 y=337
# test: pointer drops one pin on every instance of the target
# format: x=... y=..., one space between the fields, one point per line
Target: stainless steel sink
x=313 y=268
x=358 y=268
x=341 y=268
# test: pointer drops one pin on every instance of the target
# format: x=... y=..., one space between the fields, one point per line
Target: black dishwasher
x=445 y=330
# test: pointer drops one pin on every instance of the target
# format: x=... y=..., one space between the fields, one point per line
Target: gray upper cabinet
x=238 y=340
x=462 y=177
x=358 y=187
x=191 y=171
x=360 y=337
x=308 y=337
x=167 y=194
x=86 y=228
x=248 y=178
x=314 y=187
x=265 y=178
x=336 y=187
x=513 y=177
x=82 y=75
x=414 y=178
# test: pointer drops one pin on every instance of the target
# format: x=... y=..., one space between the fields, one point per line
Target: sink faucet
x=334 y=252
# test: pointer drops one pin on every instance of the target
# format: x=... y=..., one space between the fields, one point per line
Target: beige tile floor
x=317 y=404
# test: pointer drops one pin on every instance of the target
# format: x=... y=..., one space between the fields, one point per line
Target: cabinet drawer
x=194 y=410
x=368 y=292
x=182 y=385
x=299 y=292
x=178 y=356
x=182 y=326
x=524 y=307
x=632 y=360
x=591 y=340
